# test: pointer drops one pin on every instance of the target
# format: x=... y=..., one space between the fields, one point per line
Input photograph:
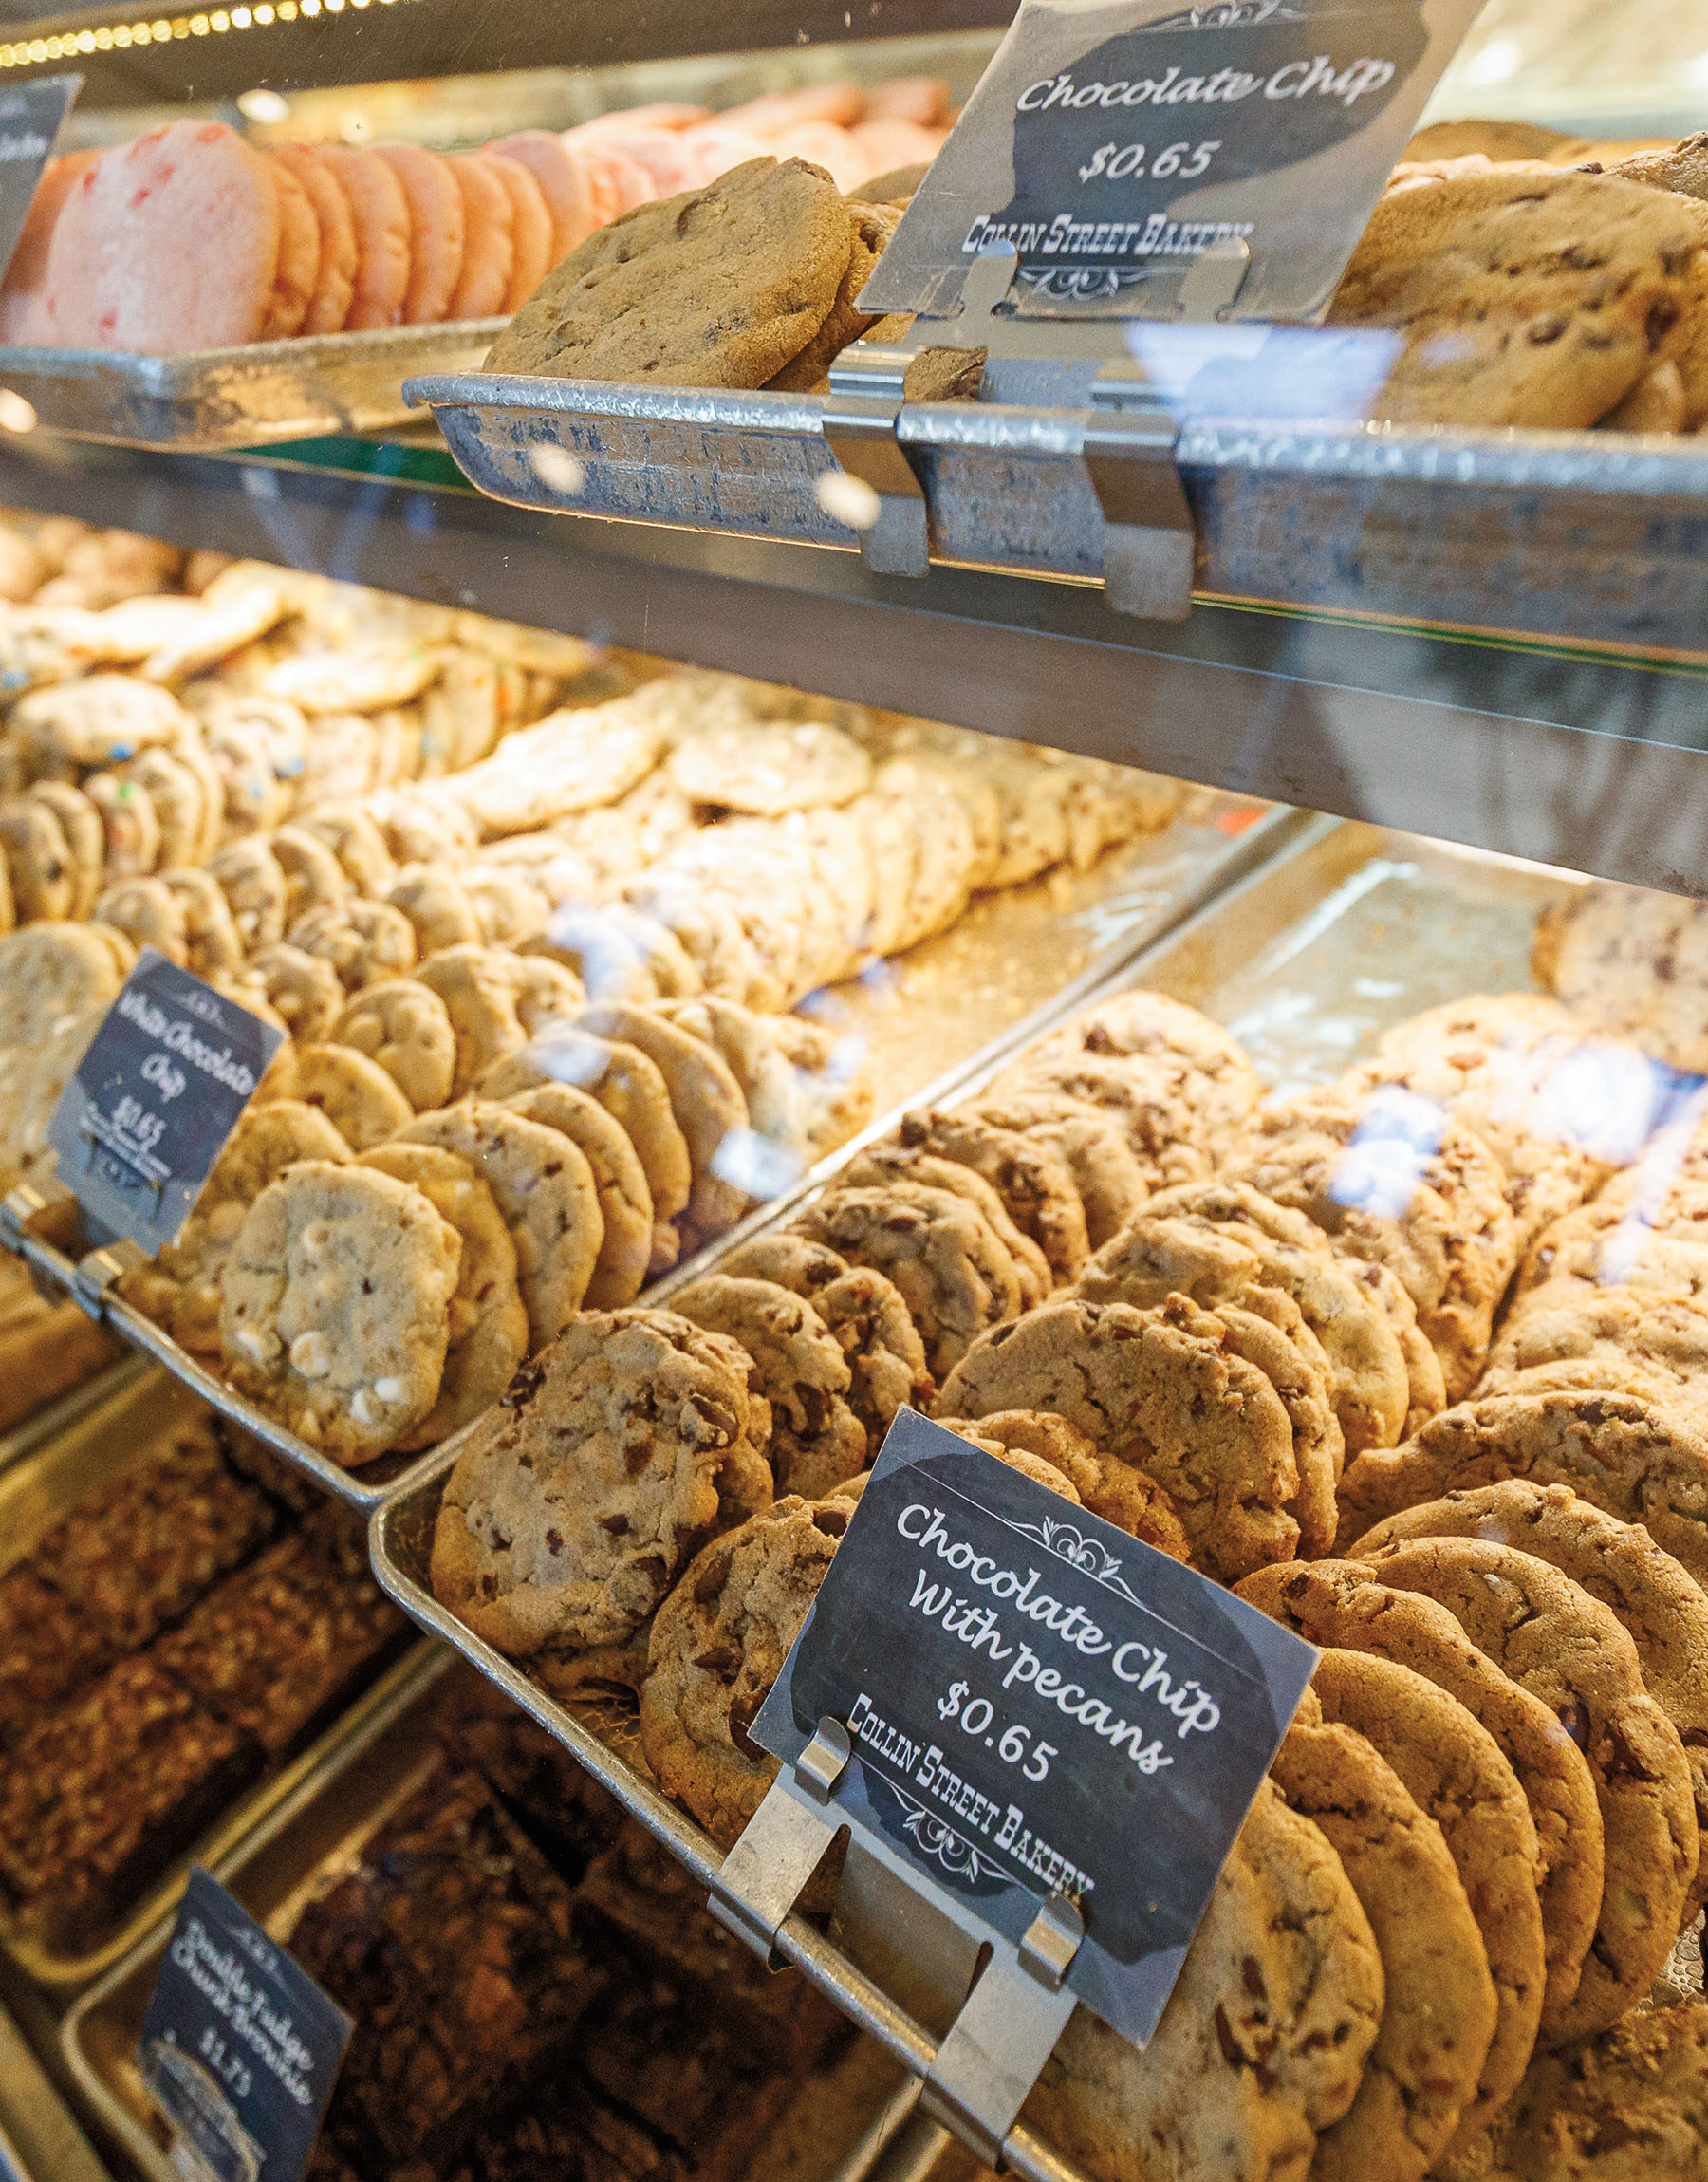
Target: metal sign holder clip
x=1006 y=2028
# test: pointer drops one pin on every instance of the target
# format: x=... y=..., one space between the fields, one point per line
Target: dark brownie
x=136 y=1556
x=636 y=1897
x=272 y=1473
x=561 y=1809
x=96 y=1799
x=279 y=1647
x=566 y=2135
x=46 y=1651
x=451 y=1947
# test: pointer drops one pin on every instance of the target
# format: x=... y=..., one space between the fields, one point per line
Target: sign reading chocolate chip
x=1111 y=145
x=162 y=1086
x=1038 y=1704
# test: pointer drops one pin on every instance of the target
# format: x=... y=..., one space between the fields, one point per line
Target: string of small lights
x=163 y=30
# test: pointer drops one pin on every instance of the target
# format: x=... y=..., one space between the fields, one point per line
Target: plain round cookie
x=716 y=1648
x=1438 y=1217
x=48 y=974
x=1035 y=1181
x=880 y=1166
x=866 y=1312
x=1602 y=1336
x=771 y=767
x=817 y=1442
x=1341 y=1603
x=1165 y=1390
x=1226 y=1089
x=561 y=183
x=380 y=214
x=1291 y=1252
x=1628 y=2106
x=299 y=255
x=718 y=286
x=704 y=1097
x=872 y=227
x=488 y=1321
x=1662 y=1611
x=1552 y=1637
x=1115 y=1490
x=404 y=1027
x=355 y=1093
x=1455 y=1772
x=1440 y=2010
x=1641 y=1461
x=1263 y=2041
x=544 y=1188
x=624 y=1200
x=435 y=230
x=1149 y=1102
x=335 y=273
x=947 y=1263
x=613 y=1456
x=477 y=985
x=1524 y=299
x=335 y=1307
x=489 y=261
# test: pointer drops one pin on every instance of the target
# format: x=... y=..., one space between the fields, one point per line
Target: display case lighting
x=163 y=30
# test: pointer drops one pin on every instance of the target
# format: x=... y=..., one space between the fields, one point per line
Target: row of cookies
x=1527 y=294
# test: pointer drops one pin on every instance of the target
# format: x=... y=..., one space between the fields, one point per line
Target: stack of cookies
x=750 y=281
x=1524 y=293
x=333 y=238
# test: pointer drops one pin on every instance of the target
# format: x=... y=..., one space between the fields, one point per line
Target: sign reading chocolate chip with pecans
x=1112 y=142
x=1038 y=1704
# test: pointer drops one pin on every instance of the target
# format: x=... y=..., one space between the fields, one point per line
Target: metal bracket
x=1214 y=280
x=98 y=1269
x=1149 y=547
x=18 y=1207
x=987 y=2065
x=782 y=1843
x=860 y=430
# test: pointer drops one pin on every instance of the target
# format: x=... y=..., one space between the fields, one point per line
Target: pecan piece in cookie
x=817 y=1440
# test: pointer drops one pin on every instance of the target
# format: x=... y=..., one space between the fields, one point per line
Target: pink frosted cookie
x=562 y=183
x=884 y=146
x=489 y=238
x=299 y=256
x=335 y=275
x=924 y=100
x=824 y=145
x=23 y=318
x=665 y=157
x=381 y=212
x=167 y=244
x=436 y=229
x=841 y=104
x=531 y=227
x=716 y=150
x=661 y=114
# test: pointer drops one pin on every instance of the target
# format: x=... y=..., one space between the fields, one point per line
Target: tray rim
x=1025 y=2153
x=1602 y=463
x=1224 y=868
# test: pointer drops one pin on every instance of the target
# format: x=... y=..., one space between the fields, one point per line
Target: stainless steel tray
x=1597 y=534
x=37 y=1491
x=925 y=1020
x=271 y=390
x=297 y=1850
x=1348 y=929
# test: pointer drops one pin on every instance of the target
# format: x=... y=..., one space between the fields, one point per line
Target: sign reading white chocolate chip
x=161 y=1086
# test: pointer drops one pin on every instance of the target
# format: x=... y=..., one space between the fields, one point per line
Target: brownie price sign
x=1038 y=1704
x=154 y=1098
x=240 y=2047
x=1112 y=142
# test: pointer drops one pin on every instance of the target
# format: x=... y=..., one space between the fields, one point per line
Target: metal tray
x=925 y=1018
x=1348 y=929
x=1596 y=533
x=856 y=2107
x=271 y=390
x=59 y=1416
x=37 y=1491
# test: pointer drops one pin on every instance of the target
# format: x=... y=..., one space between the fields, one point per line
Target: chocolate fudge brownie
x=451 y=1947
x=566 y=2135
x=560 y=1807
x=251 y=1458
x=96 y=1799
x=281 y=1644
x=46 y=1651
x=637 y=1899
x=136 y=1556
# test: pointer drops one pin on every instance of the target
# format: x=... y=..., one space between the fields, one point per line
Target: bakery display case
x=1125 y=885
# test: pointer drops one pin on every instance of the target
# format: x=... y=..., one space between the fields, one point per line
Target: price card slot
x=1048 y=1732
x=240 y=2047
x=163 y=1083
